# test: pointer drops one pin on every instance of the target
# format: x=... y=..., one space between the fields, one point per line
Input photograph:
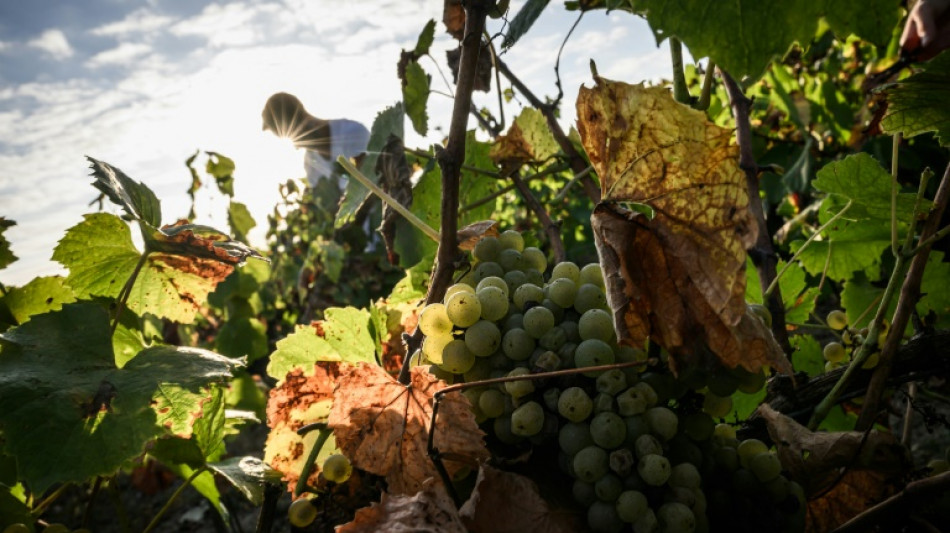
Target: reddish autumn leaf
x=503 y=502
x=428 y=511
x=300 y=399
x=677 y=278
x=856 y=491
x=383 y=426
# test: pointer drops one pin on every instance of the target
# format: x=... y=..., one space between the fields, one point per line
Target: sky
x=142 y=85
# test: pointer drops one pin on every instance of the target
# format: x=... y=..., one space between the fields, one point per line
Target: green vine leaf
x=934 y=287
x=40 y=295
x=807 y=356
x=136 y=199
x=248 y=475
x=221 y=168
x=861 y=178
x=854 y=246
x=388 y=122
x=425 y=39
x=344 y=335
x=523 y=21
x=919 y=103
x=68 y=413
x=6 y=255
x=415 y=95
x=240 y=220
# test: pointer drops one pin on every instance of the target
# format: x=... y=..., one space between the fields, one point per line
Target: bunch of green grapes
x=839 y=353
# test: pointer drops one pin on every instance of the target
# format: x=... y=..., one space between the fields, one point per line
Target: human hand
x=927 y=31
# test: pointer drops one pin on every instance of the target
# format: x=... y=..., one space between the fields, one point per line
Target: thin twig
x=301 y=486
x=910 y=293
x=914 y=494
x=909 y=415
x=763 y=254
x=41 y=508
x=174 y=496
x=557 y=62
x=578 y=163
x=895 y=144
x=577 y=177
x=551 y=228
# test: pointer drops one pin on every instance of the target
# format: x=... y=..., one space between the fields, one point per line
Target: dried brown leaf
x=383 y=426
x=483 y=69
x=453 y=16
x=299 y=400
x=512 y=149
x=651 y=150
x=428 y=511
x=813 y=458
x=856 y=491
x=503 y=502
x=469 y=236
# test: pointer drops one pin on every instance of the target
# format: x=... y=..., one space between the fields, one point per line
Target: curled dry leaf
x=469 y=236
x=430 y=510
x=300 y=399
x=814 y=457
x=856 y=491
x=453 y=16
x=383 y=426
x=679 y=277
x=504 y=502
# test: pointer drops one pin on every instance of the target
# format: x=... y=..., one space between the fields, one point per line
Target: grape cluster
x=643 y=448
x=840 y=352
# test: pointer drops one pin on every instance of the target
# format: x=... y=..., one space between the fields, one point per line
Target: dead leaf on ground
x=651 y=150
x=394 y=178
x=854 y=493
x=469 y=236
x=429 y=511
x=813 y=458
x=503 y=502
x=300 y=400
x=383 y=426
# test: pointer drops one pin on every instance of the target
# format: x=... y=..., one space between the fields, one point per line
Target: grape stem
x=325 y=433
x=161 y=512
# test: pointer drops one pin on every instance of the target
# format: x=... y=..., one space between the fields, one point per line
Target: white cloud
x=140 y=21
x=54 y=43
x=238 y=24
x=125 y=53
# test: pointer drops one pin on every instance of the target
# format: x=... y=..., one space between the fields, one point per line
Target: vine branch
x=551 y=228
x=763 y=255
x=906 y=303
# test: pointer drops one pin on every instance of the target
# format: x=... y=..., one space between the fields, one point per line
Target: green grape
x=492 y=403
x=16 y=528
x=590 y=463
x=517 y=389
x=574 y=436
x=510 y=260
x=698 y=426
x=717 y=406
x=680 y=449
x=553 y=339
x=337 y=468
x=647 y=444
x=724 y=431
x=566 y=269
x=622 y=461
x=676 y=517
x=527 y=293
x=570 y=327
x=537 y=321
x=517 y=344
x=492 y=281
x=434 y=345
x=515 y=279
x=457 y=358
x=483 y=338
x=603 y=403
x=750 y=383
x=434 y=320
x=589 y=296
x=685 y=475
x=562 y=292
x=514 y=321
x=566 y=353
x=593 y=352
x=487 y=249
x=550 y=396
x=501 y=427
x=608 y=430
x=834 y=352
x=487 y=269
x=458 y=287
x=584 y=492
x=765 y=466
x=527 y=420
x=532 y=276
x=493 y=303
x=464 y=309
x=56 y=528
x=596 y=324
x=301 y=513
x=726 y=458
x=938 y=466
x=511 y=240
x=631 y=402
x=647 y=523
x=447 y=377
x=574 y=404
x=612 y=382
x=777 y=488
x=723 y=383
x=608 y=488
x=592 y=273
x=631 y=505
x=654 y=469
x=663 y=422
x=648 y=392
x=555 y=309
x=871 y=361
x=549 y=361
x=602 y=518
x=534 y=258
x=480 y=371
x=761 y=312
x=837 y=319
x=662 y=385
x=748 y=449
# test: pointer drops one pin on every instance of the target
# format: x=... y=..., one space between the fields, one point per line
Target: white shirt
x=347 y=138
